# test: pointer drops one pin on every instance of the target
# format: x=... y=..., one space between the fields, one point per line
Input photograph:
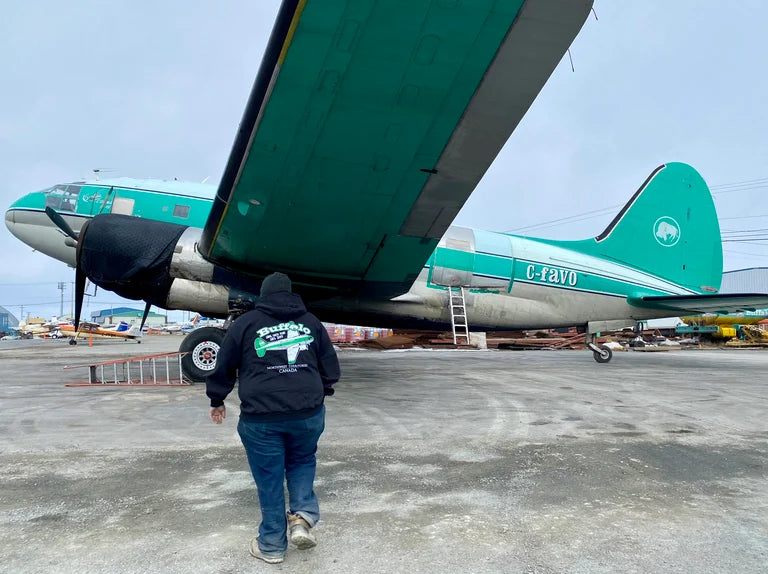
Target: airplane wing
x=721 y=304
x=293 y=352
x=369 y=125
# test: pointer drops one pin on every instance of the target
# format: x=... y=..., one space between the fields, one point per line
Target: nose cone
x=10 y=220
x=15 y=214
x=27 y=221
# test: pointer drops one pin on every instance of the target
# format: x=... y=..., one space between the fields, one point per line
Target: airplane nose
x=10 y=219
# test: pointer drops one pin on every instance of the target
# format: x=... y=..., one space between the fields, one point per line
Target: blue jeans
x=277 y=451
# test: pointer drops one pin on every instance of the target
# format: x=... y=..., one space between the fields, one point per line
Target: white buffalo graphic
x=666 y=232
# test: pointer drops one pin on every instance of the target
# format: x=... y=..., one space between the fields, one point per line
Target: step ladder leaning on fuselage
x=459 y=322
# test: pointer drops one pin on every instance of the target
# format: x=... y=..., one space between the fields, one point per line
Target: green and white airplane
x=368 y=127
x=292 y=342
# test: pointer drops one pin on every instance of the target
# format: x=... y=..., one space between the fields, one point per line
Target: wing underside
x=369 y=125
x=721 y=304
x=293 y=352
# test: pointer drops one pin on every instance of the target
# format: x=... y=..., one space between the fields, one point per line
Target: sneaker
x=301 y=532
x=256 y=553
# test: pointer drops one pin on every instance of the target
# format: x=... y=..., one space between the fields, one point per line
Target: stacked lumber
x=540 y=340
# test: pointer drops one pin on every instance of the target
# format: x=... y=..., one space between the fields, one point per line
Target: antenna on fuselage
x=98 y=171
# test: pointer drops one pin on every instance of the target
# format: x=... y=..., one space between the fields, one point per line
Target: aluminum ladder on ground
x=149 y=370
x=459 y=323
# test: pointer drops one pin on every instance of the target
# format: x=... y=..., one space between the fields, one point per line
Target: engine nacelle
x=159 y=263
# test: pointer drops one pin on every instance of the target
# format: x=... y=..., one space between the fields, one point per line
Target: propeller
x=128 y=255
x=59 y=221
x=80 y=277
x=144 y=317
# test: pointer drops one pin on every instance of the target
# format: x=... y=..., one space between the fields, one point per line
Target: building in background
x=7 y=321
x=751 y=280
x=117 y=314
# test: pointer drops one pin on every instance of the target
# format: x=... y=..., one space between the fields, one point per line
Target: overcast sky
x=156 y=89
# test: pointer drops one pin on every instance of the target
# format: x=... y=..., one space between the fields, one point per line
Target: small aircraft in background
x=33 y=327
x=121 y=331
x=184 y=327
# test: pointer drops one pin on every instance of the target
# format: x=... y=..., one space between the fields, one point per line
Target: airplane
x=34 y=327
x=196 y=322
x=122 y=331
x=365 y=133
x=291 y=339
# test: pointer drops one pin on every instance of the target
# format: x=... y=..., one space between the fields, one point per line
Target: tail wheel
x=604 y=355
x=202 y=347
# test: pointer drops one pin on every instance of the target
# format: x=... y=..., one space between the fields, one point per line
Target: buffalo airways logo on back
x=290 y=337
x=666 y=231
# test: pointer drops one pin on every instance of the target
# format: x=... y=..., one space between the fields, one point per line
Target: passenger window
x=181 y=211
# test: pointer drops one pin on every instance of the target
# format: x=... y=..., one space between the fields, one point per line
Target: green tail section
x=669 y=229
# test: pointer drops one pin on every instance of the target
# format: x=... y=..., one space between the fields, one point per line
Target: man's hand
x=218 y=414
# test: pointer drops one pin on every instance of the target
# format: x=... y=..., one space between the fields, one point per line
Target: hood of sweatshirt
x=281 y=305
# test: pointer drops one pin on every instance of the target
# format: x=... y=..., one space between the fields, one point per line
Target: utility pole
x=60 y=287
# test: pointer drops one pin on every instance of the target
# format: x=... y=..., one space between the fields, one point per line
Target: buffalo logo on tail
x=666 y=231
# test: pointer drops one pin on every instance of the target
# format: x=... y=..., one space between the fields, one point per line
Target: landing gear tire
x=202 y=347
x=73 y=341
x=604 y=356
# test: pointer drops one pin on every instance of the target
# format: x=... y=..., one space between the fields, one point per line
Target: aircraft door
x=454 y=259
x=123 y=205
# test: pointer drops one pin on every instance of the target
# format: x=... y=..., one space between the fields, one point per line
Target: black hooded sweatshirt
x=284 y=360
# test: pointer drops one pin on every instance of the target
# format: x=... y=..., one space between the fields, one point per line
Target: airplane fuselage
x=510 y=282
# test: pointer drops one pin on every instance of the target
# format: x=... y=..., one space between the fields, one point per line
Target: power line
x=93 y=303
x=745 y=253
x=761 y=179
x=27 y=284
x=28 y=304
x=746 y=185
x=743 y=230
x=571 y=219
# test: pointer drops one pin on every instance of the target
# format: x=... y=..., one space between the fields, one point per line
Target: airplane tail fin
x=260 y=345
x=669 y=228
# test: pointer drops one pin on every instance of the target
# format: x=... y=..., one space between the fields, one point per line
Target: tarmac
x=432 y=461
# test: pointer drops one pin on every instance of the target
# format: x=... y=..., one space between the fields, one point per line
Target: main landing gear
x=202 y=347
x=601 y=353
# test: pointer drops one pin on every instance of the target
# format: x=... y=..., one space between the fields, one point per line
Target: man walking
x=286 y=366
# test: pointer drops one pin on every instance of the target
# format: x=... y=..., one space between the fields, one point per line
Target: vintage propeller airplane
x=368 y=127
x=120 y=331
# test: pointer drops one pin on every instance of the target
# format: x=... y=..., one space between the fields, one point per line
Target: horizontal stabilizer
x=722 y=304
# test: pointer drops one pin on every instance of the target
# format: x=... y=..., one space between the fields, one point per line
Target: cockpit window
x=62 y=197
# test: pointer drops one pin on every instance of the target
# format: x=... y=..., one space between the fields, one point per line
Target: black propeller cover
x=129 y=255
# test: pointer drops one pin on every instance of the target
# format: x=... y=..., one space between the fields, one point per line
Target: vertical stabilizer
x=669 y=228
